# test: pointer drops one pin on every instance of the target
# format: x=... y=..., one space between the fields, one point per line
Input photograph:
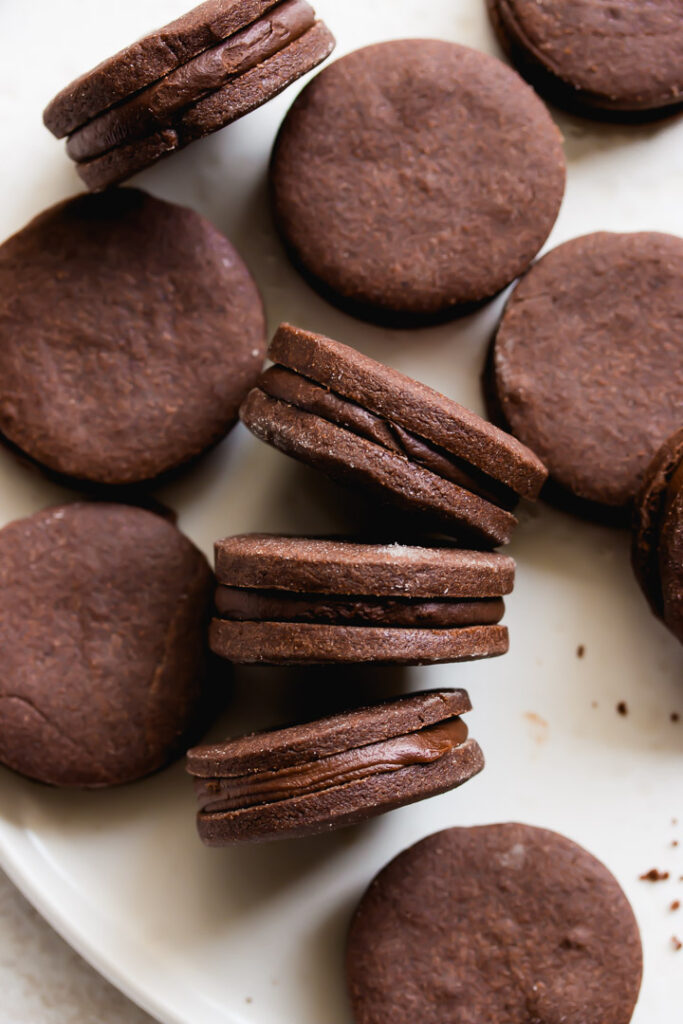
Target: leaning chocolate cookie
x=297 y=600
x=103 y=618
x=130 y=331
x=334 y=772
x=184 y=81
x=502 y=923
x=657 y=549
x=596 y=58
x=587 y=364
x=359 y=421
x=414 y=179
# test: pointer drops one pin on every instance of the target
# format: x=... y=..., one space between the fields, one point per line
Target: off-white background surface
x=255 y=936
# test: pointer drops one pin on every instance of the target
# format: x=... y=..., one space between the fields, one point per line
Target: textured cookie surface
x=620 y=57
x=130 y=331
x=146 y=60
x=452 y=184
x=336 y=771
x=103 y=616
x=322 y=566
x=587 y=363
x=502 y=923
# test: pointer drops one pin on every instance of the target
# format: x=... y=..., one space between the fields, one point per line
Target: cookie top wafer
x=451 y=184
x=130 y=331
x=497 y=923
x=609 y=58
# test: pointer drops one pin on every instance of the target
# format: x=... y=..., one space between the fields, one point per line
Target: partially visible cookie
x=328 y=405
x=103 y=620
x=596 y=58
x=130 y=331
x=334 y=772
x=657 y=547
x=587 y=364
x=501 y=923
x=299 y=600
x=414 y=179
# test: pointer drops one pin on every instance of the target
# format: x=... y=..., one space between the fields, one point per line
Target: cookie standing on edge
x=587 y=364
x=103 y=618
x=361 y=422
x=599 y=59
x=184 y=81
x=296 y=600
x=657 y=548
x=414 y=179
x=501 y=923
x=334 y=772
x=130 y=331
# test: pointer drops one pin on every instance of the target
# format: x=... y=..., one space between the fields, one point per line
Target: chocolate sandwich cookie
x=503 y=923
x=596 y=58
x=359 y=421
x=183 y=82
x=587 y=364
x=296 y=600
x=103 y=618
x=334 y=772
x=657 y=548
x=130 y=331
x=414 y=179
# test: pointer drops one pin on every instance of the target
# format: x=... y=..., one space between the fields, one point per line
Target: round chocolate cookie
x=607 y=58
x=657 y=549
x=587 y=364
x=413 y=179
x=503 y=923
x=130 y=331
x=337 y=771
x=103 y=617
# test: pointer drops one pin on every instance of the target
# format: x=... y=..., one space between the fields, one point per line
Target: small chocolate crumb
x=580 y=651
x=622 y=707
x=676 y=905
x=674 y=842
x=654 y=875
x=675 y=717
x=676 y=943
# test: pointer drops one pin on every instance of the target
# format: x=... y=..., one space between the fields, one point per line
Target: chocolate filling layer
x=245 y=605
x=424 y=747
x=301 y=392
x=154 y=107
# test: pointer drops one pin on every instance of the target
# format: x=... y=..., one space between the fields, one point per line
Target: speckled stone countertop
x=42 y=980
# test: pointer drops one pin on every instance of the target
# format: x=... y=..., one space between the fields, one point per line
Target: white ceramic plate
x=256 y=935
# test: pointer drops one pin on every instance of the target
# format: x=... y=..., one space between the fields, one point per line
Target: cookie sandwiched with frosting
x=333 y=772
x=182 y=82
x=363 y=423
x=657 y=546
x=300 y=600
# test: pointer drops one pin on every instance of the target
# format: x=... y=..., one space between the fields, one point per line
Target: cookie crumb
x=249 y=999
x=675 y=717
x=676 y=943
x=594 y=703
x=674 y=843
x=676 y=905
x=580 y=651
x=654 y=875
x=674 y=821
x=622 y=708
